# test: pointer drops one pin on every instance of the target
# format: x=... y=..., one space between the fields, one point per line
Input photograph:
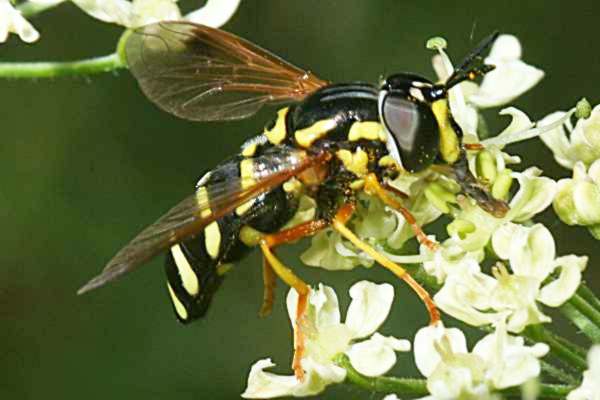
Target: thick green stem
x=89 y=66
x=418 y=387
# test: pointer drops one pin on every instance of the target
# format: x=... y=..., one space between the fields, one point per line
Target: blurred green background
x=85 y=163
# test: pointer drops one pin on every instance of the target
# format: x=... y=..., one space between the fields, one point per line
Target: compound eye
x=414 y=129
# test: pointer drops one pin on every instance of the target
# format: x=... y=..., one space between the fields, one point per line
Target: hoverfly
x=330 y=141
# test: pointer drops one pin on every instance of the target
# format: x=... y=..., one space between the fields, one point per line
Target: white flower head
x=590 y=386
x=497 y=361
x=511 y=77
x=11 y=21
x=583 y=142
x=327 y=337
x=538 y=276
x=135 y=13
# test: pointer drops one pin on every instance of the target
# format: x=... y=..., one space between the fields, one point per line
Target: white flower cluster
x=327 y=336
x=497 y=361
x=129 y=14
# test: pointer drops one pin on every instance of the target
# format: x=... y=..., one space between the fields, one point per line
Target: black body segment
x=195 y=268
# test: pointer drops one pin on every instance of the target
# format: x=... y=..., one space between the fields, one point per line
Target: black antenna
x=473 y=65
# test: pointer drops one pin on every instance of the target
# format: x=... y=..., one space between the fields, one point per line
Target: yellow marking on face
x=307 y=136
x=356 y=163
x=212 y=239
x=249 y=150
x=179 y=307
x=368 y=130
x=278 y=132
x=247 y=173
x=223 y=269
x=203 y=202
x=292 y=186
x=243 y=209
x=357 y=184
x=250 y=236
x=449 y=142
x=186 y=273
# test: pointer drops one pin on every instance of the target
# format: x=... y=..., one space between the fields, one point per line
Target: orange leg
x=339 y=224
x=373 y=187
x=473 y=146
x=274 y=266
x=269 y=283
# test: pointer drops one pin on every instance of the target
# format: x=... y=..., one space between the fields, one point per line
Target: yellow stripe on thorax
x=449 y=142
x=356 y=162
x=369 y=130
x=307 y=136
x=276 y=134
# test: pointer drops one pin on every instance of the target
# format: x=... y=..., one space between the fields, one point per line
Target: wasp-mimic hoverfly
x=330 y=142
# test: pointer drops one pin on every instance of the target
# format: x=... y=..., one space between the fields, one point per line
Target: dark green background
x=86 y=162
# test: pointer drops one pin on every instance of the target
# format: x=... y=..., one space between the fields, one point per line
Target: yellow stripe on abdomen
x=188 y=277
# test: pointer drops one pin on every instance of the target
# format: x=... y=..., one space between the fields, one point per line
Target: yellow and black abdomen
x=196 y=267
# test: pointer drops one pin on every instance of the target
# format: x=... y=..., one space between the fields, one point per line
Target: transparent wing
x=195 y=212
x=206 y=74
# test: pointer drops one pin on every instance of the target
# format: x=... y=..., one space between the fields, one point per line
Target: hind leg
x=273 y=264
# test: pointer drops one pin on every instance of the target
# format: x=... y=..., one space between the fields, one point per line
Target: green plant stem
x=586 y=309
x=88 y=66
x=581 y=321
x=560 y=374
x=418 y=387
x=29 y=9
x=565 y=353
x=589 y=296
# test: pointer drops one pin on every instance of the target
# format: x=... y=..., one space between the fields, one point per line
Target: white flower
x=479 y=299
x=136 y=13
x=511 y=77
x=497 y=361
x=590 y=386
x=11 y=20
x=326 y=337
x=583 y=142
x=577 y=201
x=534 y=195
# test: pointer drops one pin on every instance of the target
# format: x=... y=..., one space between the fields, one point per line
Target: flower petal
x=511 y=77
x=555 y=293
x=11 y=20
x=556 y=139
x=215 y=13
x=585 y=138
x=466 y=294
x=263 y=385
x=323 y=307
x=323 y=253
x=112 y=11
x=427 y=356
x=370 y=306
x=510 y=362
x=377 y=355
x=534 y=196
